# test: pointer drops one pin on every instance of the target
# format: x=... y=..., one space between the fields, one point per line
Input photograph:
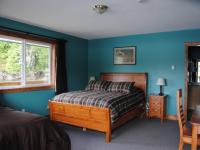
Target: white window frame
x=23 y=83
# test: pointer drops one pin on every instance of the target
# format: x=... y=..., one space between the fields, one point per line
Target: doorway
x=192 y=78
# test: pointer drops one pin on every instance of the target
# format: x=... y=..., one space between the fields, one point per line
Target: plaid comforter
x=119 y=103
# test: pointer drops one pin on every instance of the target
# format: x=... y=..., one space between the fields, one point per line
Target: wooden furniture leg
x=194 y=137
x=108 y=137
x=180 y=147
x=108 y=132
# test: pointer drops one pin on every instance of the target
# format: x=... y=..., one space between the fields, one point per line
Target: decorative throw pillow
x=90 y=85
x=121 y=87
x=98 y=85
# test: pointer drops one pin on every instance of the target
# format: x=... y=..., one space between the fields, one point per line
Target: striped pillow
x=98 y=85
x=125 y=87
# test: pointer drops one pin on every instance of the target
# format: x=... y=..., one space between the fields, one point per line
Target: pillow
x=98 y=85
x=125 y=87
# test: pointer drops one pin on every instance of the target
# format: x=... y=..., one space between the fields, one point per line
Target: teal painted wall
x=34 y=101
x=155 y=54
x=77 y=57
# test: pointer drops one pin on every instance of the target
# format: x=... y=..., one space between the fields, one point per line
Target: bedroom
x=158 y=34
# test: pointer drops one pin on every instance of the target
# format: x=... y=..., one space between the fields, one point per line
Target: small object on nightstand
x=157 y=106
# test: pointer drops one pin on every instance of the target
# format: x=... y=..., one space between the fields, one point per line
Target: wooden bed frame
x=95 y=118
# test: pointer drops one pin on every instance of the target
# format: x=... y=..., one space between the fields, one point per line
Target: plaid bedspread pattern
x=119 y=103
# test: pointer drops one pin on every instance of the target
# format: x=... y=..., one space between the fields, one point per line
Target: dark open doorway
x=192 y=78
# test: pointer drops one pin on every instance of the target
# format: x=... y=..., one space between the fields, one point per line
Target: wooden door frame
x=187 y=44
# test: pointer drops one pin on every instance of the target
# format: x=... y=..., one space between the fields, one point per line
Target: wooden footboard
x=82 y=116
x=90 y=117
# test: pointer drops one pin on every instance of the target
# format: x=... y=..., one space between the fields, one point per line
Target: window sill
x=25 y=89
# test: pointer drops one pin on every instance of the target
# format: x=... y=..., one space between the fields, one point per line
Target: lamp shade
x=161 y=81
x=92 y=78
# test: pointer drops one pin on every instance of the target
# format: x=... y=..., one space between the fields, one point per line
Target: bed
x=27 y=131
x=100 y=118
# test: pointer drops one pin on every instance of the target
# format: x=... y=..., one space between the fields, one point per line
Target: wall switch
x=173 y=67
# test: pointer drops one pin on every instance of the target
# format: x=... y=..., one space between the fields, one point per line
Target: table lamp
x=161 y=82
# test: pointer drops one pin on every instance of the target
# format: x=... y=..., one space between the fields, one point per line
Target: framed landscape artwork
x=125 y=55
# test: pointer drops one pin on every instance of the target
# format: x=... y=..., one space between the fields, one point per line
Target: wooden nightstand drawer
x=155 y=110
x=154 y=103
x=155 y=99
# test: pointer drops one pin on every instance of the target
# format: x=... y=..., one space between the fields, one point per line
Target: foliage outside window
x=24 y=63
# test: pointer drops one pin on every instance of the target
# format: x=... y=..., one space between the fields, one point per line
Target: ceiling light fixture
x=100 y=8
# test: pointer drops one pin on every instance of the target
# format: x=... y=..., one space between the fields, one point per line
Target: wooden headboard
x=140 y=79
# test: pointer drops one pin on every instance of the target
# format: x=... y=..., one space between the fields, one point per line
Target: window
x=25 y=63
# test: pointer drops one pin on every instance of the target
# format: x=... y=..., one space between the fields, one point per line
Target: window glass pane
x=198 y=74
x=10 y=61
x=37 y=63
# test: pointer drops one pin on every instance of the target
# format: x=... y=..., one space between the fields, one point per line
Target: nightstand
x=157 y=106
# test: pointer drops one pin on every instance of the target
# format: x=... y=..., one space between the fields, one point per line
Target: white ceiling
x=124 y=17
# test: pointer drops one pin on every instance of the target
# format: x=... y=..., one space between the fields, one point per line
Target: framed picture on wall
x=125 y=55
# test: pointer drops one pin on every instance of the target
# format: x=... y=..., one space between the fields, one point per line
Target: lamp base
x=161 y=93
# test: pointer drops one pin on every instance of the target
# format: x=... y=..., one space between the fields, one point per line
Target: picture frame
x=124 y=55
